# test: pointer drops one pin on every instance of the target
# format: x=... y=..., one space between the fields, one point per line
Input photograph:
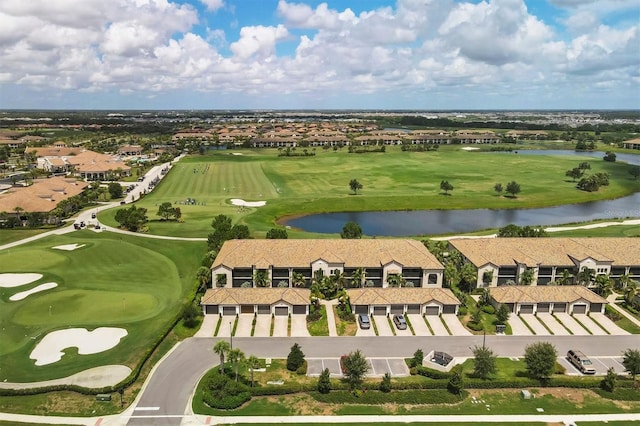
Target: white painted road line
x=146 y=409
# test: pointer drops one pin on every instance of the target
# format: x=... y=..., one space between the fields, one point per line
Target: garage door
x=413 y=309
x=282 y=310
x=361 y=309
x=526 y=309
x=246 y=309
x=579 y=309
x=432 y=310
x=228 y=310
x=211 y=309
x=596 y=307
x=559 y=308
x=543 y=307
x=449 y=309
x=300 y=309
x=379 y=310
x=397 y=309
x=264 y=309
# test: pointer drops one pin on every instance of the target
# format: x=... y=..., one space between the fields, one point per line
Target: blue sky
x=354 y=54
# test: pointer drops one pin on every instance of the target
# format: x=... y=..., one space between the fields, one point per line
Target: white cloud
x=213 y=5
x=258 y=41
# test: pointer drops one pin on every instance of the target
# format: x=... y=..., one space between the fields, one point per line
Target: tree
x=203 y=275
x=165 y=210
x=324 y=381
x=418 y=358
x=586 y=276
x=634 y=171
x=631 y=362
x=295 y=359
x=385 y=384
x=484 y=362
x=253 y=362
x=456 y=384
x=575 y=173
x=540 y=359
x=487 y=278
x=355 y=185
x=513 y=188
x=132 y=218
x=608 y=383
x=190 y=315
x=261 y=278
x=115 y=190
x=446 y=187
x=604 y=285
x=222 y=348
x=298 y=280
x=355 y=367
x=223 y=230
x=527 y=276
x=565 y=278
x=585 y=165
x=236 y=357
x=610 y=156
x=357 y=277
x=351 y=231
x=502 y=314
x=498 y=188
x=469 y=277
x=277 y=234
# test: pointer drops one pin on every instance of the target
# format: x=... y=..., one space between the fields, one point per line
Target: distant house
x=80 y=162
x=41 y=197
x=631 y=144
x=130 y=150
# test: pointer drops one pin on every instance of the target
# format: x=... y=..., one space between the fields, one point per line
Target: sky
x=307 y=54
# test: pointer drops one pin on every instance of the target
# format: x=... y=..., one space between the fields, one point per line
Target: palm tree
x=253 y=362
x=630 y=292
x=357 y=277
x=297 y=279
x=203 y=276
x=339 y=279
x=261 y=278
x=604 y=285
x=565 y=278
x=236 y=356
x=623 y=282
x=527 y=276
x=586 y=276
x=222 y=347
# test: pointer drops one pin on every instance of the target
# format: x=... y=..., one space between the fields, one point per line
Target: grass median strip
x=406 y=318
x=526 y=324
x=562 y=324
x=424 y=317
x=546 y=327
x=599 y=325
x=581 y=324
x=393 y=329
x=446 y=327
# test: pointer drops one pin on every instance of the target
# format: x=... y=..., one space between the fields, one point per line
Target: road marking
x=146 y=409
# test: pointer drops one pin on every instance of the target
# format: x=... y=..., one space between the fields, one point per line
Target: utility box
x=525 y=394
x=500 y=328
x=103 y=397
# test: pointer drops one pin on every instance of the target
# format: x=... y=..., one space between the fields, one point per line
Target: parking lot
x=601 y=364
x=396 y=367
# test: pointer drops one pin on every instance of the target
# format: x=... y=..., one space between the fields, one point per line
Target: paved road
x=170 y=387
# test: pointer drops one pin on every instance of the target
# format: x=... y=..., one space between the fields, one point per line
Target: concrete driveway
x=418 y=324
x=368 y=332
x=245 y=324
x=436 y=325
x=518 y=328
x=594 y=328
x=263 y=326
x=609 y=325
x=553 y=324
x=572 y=324
x=225 y=328
x=535 y=324
x=299 y=326
x=382 y=324
x=281 y=326
x=455 y=326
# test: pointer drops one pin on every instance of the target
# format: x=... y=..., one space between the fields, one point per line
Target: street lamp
x=231 y=335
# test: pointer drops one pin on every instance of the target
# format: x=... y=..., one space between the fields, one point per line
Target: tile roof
x=301 y=253
x=395 y=295
x=536 y=294
x=43 y=196
x=548 y=251
x=255 y=296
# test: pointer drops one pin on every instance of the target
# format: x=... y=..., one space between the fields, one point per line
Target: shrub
x=385 y=384
x=431 y=373
x=324 y=382
x=295 y=359
x=455 y=384
x=418 y=358
x=302 y=370
x=223 y=393
x=475 y=326
x=462 y=311
x=489 y=309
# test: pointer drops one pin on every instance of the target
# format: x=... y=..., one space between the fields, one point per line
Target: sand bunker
x=51 y=347
x=16 y=280
x=243 y=203
x=69 y=247
x=469 y=148
x=24 y=294
x=237 y=153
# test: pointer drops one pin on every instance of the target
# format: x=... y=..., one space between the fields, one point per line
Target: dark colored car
x=363 y=320
x=400 y=322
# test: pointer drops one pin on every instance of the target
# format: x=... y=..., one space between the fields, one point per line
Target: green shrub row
x=227 y=403
x=621 y=394
x=375 y=397
x=431 y=373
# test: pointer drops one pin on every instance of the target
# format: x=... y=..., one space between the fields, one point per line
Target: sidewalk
x=331 y=319
x=612 y=301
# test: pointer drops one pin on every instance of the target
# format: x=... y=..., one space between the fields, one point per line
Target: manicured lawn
x=10 y=235
x=138 y=284
x=393 y=180
x=608 y=231
x=321 y=326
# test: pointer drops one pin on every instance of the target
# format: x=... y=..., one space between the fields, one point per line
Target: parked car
x=93 y=215
x=76 y=226
x=363 y=320
x=400 y=322
x=97 y=226
x=581 y=362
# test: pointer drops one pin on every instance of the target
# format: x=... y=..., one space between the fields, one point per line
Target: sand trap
x=50 y=349
x=16 y=280
x=243 y=203
x=69 y=247
x=24 y=294
x=469 y=148
x=237 y=153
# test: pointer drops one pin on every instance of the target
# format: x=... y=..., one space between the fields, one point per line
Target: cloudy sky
x=307 y=54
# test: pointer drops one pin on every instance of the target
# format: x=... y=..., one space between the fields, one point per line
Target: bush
x=385 y=384
x=418 y=357
x=431 y=373
x=462 y=311
x=475 y=326
x=489 y=309
x=223 y=393
x=302 y=370
x=324 y=381
x=295 y=359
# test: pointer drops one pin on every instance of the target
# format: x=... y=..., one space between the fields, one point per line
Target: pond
x=433 y=222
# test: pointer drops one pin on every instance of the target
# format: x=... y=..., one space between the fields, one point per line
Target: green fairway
x=138 y=284
x=393 y=180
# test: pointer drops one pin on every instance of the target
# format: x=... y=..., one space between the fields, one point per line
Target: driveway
x=225 y=329
x=245 y=324
x=263 y=326
x=553 y=324
x=536 y=325
x=299 y=326
x=382 y=324
x=572 y=324
x=594 y=328
x=208 y=326
x=436 y=325
x=455 y=326
x=368 y=332
x=518 y=328
x=418 y=324
x=611 y=327
x=281 y=326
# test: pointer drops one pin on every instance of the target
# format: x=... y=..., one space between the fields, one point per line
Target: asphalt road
x=169 y=389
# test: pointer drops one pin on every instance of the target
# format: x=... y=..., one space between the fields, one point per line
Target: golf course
x=135 y=286
x=391 y=180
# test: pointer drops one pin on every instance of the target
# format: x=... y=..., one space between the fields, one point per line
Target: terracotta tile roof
x=536 y=294
x=548 y=251
x=255 y=296
x=395 y=295
x=43 y=196
x=372 y=253
x=53 y=151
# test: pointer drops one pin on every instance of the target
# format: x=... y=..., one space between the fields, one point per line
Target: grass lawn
x=138 y=284
x=321 y=326
x=10 y=235
x=344 y=328
x=393 y=180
